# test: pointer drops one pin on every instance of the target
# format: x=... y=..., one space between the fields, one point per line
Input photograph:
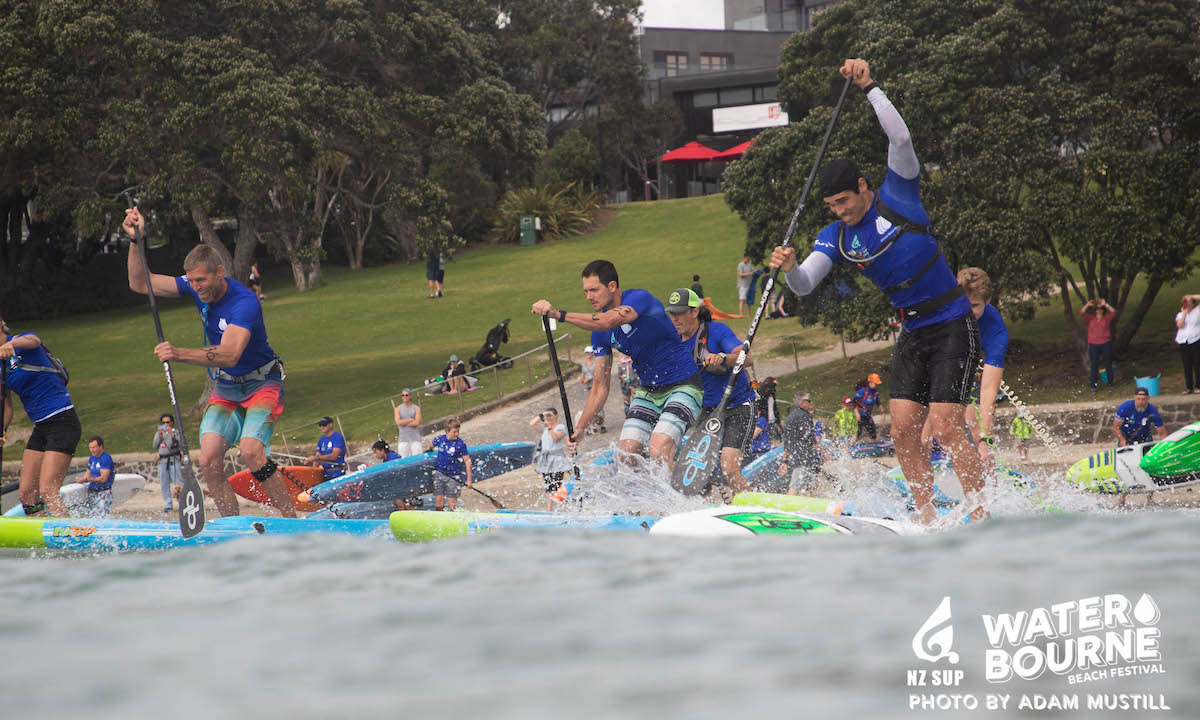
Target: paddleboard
x=298 y=478
x=424 y=526
x=779 y=501
x=74 y=495
x=872 y=450
x=1174 y=460
x=1113 y=471
x=374 y=510
x=111 y=535
x=410 y=476
x=748 y=521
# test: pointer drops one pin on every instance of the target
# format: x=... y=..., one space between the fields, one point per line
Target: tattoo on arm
x=211 y=353
x=595 y=317
x=624 y=310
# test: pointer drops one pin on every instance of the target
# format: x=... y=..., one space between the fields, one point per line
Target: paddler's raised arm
x=606 y=320
x=902 y=159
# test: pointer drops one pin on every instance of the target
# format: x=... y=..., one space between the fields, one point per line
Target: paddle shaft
x=3 y=400
x=787 y=241
x=191 y=506
x=495 y=503
x=562 y=391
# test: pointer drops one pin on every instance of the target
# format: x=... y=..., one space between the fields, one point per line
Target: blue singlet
x=659 y=358
x=238 y=306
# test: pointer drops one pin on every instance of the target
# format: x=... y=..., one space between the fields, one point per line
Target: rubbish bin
x=528 y=230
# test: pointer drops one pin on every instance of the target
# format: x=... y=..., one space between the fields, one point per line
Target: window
x=737 y=96
x=765 y=93
x=669 y=63
x=705 y=99
x=713 y=62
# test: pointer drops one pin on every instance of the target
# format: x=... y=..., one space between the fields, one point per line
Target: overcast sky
x=700 y=14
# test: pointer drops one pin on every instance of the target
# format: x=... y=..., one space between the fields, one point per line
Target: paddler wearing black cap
x=715 y=347
x=885 y=234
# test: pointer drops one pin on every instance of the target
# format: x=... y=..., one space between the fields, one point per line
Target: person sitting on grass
x=455 y=373
x=453 y=462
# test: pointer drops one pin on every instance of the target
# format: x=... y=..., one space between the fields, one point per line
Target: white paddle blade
x=701 y=455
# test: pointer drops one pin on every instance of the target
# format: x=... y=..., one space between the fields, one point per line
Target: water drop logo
x=1146 y=611
x=935 y=638
x=222 y=324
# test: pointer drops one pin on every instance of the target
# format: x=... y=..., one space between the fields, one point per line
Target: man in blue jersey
x=247 y=397
x=993 y=337
x=1137 y=421
x=714 y=348
x=99 y=480
x=331 y=450
x=885 y=235
x=634 y=322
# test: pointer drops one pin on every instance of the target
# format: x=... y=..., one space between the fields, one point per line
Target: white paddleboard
x=747 y=521
x=74 y=495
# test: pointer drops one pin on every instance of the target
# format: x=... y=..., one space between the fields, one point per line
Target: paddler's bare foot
x=926 y=515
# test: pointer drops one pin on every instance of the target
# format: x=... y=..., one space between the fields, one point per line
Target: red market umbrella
x=734 y=152
x=692 y=152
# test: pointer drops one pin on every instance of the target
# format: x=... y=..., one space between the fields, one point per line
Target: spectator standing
x=441 y=275
x=745 y=274
x=1134 y=419
x=1187 y=336
x=845 y=423
x=801 y=456
x=628 y=379
x=766 y=402
x=552 y=461
x=866 y=399
x=453 y=461
x=433 y=265
x=166 y=442
x=99 y=480
x=1099 y=316
x=697 y=287
x=408 y=425
x=1021 y=431
x=256 y=282
x=587 y=376
x=331 y=450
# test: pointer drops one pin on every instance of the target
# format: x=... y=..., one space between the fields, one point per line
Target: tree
x=573 y=159
x=1051 y=133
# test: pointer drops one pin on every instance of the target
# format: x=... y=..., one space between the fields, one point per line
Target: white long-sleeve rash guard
x=902 y=160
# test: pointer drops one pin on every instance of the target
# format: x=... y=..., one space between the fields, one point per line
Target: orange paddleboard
x=299 y=478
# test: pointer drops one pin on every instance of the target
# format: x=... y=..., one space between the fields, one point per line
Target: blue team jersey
x=900 y=262
x=95 y=465
x=720 y=339
x=762 y=443
x=238 y=306
x=449 y=455
x=993 y=334
x=325 y=445
x=391 y=455
x=866 y=400
x=42 y=393
x=1135 y=425
x=651 y=341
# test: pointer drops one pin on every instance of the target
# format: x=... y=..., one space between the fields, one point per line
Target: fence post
x=460 y=403
x=795 y=356
x=529 y=370
x=496 y=377
x=568 y=354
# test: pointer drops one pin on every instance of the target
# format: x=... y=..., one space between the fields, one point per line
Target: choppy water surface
x=553 y=624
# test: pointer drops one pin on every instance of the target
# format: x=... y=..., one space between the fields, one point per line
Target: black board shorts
x=57 y=433
x=936 y=363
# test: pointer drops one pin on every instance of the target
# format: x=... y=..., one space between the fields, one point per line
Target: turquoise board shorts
x=667 y=411
x=244 y=410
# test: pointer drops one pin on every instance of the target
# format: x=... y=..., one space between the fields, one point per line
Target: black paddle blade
x=191 y=507
x=701 y=455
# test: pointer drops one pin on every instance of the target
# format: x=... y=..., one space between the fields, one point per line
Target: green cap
x=681 y=299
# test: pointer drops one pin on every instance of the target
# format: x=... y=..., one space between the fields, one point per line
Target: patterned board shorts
x=668 y=411
x=444 y=484
x=244 y=410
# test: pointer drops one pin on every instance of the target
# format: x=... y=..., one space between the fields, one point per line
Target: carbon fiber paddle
x=191 y=505
x=702 y=451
